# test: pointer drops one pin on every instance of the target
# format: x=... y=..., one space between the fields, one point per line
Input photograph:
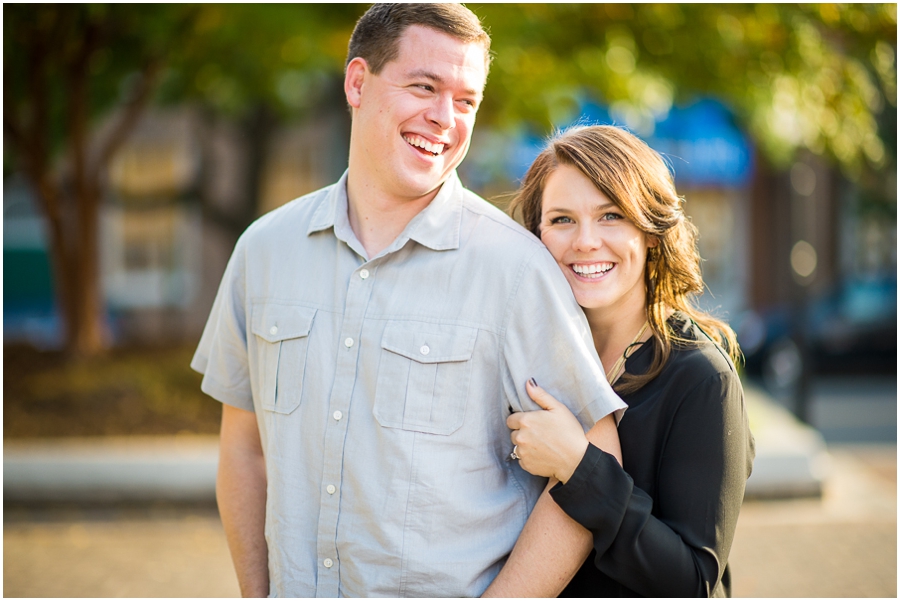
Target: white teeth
x=434 y=149
x=593 y=270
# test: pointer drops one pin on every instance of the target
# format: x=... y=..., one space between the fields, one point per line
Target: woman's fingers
x=540 y=396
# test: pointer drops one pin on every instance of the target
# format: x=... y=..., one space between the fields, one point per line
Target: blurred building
x=29 y=311
x=186 y=184
x=177 y=196
x=774 y=244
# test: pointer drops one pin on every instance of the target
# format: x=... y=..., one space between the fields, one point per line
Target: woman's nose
x=587 y=238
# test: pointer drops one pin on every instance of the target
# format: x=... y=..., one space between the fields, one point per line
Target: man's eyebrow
x=425 y=74
x=417 y=73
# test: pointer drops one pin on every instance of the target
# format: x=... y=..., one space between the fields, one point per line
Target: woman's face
x=602 y=254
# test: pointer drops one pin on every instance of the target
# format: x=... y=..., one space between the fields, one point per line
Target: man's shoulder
x=496 y=229
x=291 y=217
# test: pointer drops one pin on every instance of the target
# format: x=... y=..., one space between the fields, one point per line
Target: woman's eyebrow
x=596 y=208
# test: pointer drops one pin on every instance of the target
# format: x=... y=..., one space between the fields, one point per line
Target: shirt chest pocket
x=282 y=341
x=423 y=376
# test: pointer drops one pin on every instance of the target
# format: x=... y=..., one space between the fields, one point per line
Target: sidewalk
x=841 y=543
x=791 y=460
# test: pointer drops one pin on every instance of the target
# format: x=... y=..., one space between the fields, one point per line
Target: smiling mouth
x=424 y=146
x=593 y=271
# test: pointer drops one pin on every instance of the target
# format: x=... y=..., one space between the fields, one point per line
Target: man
x=370 y=339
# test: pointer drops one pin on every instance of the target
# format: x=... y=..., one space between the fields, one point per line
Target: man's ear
x=354 y=78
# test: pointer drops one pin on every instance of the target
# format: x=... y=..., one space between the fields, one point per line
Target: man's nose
x=441 y=112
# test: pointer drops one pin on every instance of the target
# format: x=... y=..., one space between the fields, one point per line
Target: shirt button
x=327 y=563
x=348 y=343
x=424 y=350
x=337 y=415
x=273 y=330
x=364 y=273
x=330 y=488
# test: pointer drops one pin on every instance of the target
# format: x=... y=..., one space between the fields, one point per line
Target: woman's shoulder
x=694 y=352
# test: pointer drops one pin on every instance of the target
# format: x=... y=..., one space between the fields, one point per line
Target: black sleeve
x=679 y=548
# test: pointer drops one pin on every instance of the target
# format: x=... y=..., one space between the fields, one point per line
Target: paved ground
x=844 y=545
x=120 y=552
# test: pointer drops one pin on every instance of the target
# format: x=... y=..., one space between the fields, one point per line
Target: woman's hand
x=551 y=442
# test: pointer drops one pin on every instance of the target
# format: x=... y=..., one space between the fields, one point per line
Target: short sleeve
x=547 y=338
x=221 y=355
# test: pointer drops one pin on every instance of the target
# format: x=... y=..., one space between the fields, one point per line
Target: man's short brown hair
x=377 y=33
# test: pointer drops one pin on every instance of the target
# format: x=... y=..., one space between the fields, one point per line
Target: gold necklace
x=612 y=375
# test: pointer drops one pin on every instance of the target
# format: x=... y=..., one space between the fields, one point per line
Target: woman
x=605 y=206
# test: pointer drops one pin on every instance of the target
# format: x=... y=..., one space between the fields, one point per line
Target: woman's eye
x=610 y=217
x=556 y=220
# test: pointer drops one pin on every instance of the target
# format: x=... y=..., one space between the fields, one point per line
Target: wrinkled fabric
x=382 y=386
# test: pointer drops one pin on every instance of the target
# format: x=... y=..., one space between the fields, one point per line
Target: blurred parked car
x=851 y=328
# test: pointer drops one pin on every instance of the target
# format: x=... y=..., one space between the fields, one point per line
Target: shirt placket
x=357 y=299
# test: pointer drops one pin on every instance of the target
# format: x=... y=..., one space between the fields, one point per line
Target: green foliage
x=228 y=57
x=798 y=76
x=44 y=44
x=238 y=55
x=819 y=77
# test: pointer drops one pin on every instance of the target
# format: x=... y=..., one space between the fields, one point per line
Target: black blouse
x=664 y=524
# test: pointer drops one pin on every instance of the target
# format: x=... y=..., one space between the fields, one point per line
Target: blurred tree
x=814 y=76
x=64 y=66
x=798 y=76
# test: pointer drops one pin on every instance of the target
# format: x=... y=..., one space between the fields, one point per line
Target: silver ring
x=514 y=455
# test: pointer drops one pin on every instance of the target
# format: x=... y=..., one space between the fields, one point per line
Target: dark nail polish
x=533 y=382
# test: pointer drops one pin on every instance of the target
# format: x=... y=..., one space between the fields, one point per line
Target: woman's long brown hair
x=637 y=180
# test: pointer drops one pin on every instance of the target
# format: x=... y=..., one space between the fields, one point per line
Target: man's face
x=413 y=121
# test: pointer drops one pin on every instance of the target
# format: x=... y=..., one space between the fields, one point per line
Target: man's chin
x=426 y=184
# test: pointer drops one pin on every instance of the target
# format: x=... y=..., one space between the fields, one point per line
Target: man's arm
x=241 y=495
x=552 y=545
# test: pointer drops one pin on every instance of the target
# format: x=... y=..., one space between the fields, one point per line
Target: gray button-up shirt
x=382 y=387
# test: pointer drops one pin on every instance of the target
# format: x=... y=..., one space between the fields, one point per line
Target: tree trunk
x=72 y=205
x=87 y=335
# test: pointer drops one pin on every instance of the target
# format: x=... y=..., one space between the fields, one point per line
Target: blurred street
x=855 y=409
x=842 y=545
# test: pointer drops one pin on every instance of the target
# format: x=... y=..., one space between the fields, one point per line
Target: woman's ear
x=652 y=241
x=357 y=69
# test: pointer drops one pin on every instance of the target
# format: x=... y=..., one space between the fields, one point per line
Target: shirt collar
x=437 y=226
